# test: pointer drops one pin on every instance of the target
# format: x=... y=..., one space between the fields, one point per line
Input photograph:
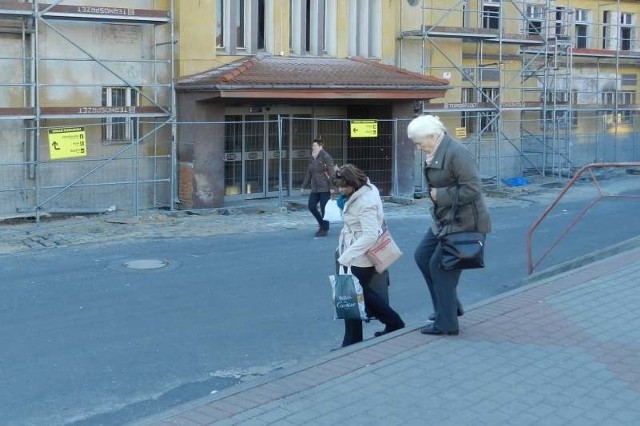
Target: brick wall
x=185 y=185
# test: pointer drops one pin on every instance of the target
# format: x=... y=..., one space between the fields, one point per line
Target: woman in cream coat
x=362 y=218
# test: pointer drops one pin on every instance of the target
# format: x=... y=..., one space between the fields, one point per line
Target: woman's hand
x=433 y=192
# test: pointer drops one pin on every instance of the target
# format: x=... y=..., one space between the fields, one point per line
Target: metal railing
x=589 y=168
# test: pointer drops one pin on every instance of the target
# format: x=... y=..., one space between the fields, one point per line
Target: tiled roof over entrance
x=328 y=78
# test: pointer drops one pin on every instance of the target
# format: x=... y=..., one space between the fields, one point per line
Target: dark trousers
x=442 y=284
x=376 y=307
x=314 y=199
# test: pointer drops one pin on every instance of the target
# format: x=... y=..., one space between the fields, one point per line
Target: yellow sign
x=364 y=128
x=67 y=143
x=461 y=132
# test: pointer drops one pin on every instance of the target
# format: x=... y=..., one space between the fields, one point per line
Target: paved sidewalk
x=562 y=351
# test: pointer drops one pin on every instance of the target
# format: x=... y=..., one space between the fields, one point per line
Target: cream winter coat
x=362 y=217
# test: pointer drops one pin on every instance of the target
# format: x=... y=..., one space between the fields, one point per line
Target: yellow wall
x=281 y=28
x=342 y=28
x=195 y=29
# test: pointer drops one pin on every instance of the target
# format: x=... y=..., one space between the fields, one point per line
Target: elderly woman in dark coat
x=449 y=169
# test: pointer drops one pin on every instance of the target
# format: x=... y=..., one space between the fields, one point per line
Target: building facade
x=86 y=111
x=136 y=104
x=537 y=87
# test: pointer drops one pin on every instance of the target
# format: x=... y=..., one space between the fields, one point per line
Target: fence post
x=280 y=200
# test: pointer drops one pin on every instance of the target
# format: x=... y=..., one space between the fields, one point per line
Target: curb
x=583 y=260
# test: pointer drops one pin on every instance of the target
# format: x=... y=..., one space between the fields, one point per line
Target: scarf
x=430 y=156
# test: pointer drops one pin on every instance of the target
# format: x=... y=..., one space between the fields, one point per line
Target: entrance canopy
x=279 y=77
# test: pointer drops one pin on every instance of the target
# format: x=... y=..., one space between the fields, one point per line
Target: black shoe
x=387 y=330
x=430 y=329
x=432 y=317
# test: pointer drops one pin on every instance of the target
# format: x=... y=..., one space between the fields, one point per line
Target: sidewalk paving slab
x=562 y=350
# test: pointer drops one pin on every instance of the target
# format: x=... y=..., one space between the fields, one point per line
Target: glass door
x=254 y=164
x=278 y=156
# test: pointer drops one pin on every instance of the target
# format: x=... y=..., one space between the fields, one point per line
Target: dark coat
x=319 y=173
x=454 y=169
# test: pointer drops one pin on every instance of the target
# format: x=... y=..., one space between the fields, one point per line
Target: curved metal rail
x=531 y=265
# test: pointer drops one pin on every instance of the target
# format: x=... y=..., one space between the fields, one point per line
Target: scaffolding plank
x=98 y=13
x=101 y=111
x=479 y=33
x=85 y=111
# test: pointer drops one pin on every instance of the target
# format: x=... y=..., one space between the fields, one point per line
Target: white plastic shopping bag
x=332 y=212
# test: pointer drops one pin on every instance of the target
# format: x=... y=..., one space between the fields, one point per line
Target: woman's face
x=426 y=143
x=315 y=148
x=346 y=190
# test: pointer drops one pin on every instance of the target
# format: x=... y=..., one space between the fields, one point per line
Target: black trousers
x=442 y=284
x=314 y=199
x=376 y=307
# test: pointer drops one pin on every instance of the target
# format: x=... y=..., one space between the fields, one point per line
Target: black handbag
x=461 y=250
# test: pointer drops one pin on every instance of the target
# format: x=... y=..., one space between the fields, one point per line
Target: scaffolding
x=522 y=73
x=102 y=73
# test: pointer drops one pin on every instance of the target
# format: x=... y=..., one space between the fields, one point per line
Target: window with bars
x=622 y=101
x=626 y=100
x=119 y=100
x=556 y=103
x=467 y=118
x=488 y=119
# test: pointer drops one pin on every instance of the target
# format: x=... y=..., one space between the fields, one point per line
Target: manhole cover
x=144 y=264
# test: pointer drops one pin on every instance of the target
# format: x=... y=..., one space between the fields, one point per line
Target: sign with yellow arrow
x=364 y=128
x=67 y=143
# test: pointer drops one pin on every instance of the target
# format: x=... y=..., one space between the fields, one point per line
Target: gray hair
x=425 y=125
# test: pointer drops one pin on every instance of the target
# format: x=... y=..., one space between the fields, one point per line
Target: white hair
x=423 y=126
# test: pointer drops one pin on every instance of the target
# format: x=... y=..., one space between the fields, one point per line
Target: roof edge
x=395 y=69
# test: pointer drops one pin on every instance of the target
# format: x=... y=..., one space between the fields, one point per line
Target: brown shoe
x=321 y=233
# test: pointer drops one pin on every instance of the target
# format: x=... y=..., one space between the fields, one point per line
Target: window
x=629 y=80
x=607 y=40
x=365 y=28
x=491 y=15
x=561 y=26
x=574 y=113
x=627 y=31
x=626 y=100
x=555 y=99
x=119 y=100
x=618 y=31
x=467 y=118
x=581 y=31
x=581 y=36
x=312 y=24
x=534 y=15
x=220 y=24
x=583 y=15
x=488 y=119
x=608 y=98
x=247 y=31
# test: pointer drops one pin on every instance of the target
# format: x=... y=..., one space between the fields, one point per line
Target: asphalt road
x=88 y=342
